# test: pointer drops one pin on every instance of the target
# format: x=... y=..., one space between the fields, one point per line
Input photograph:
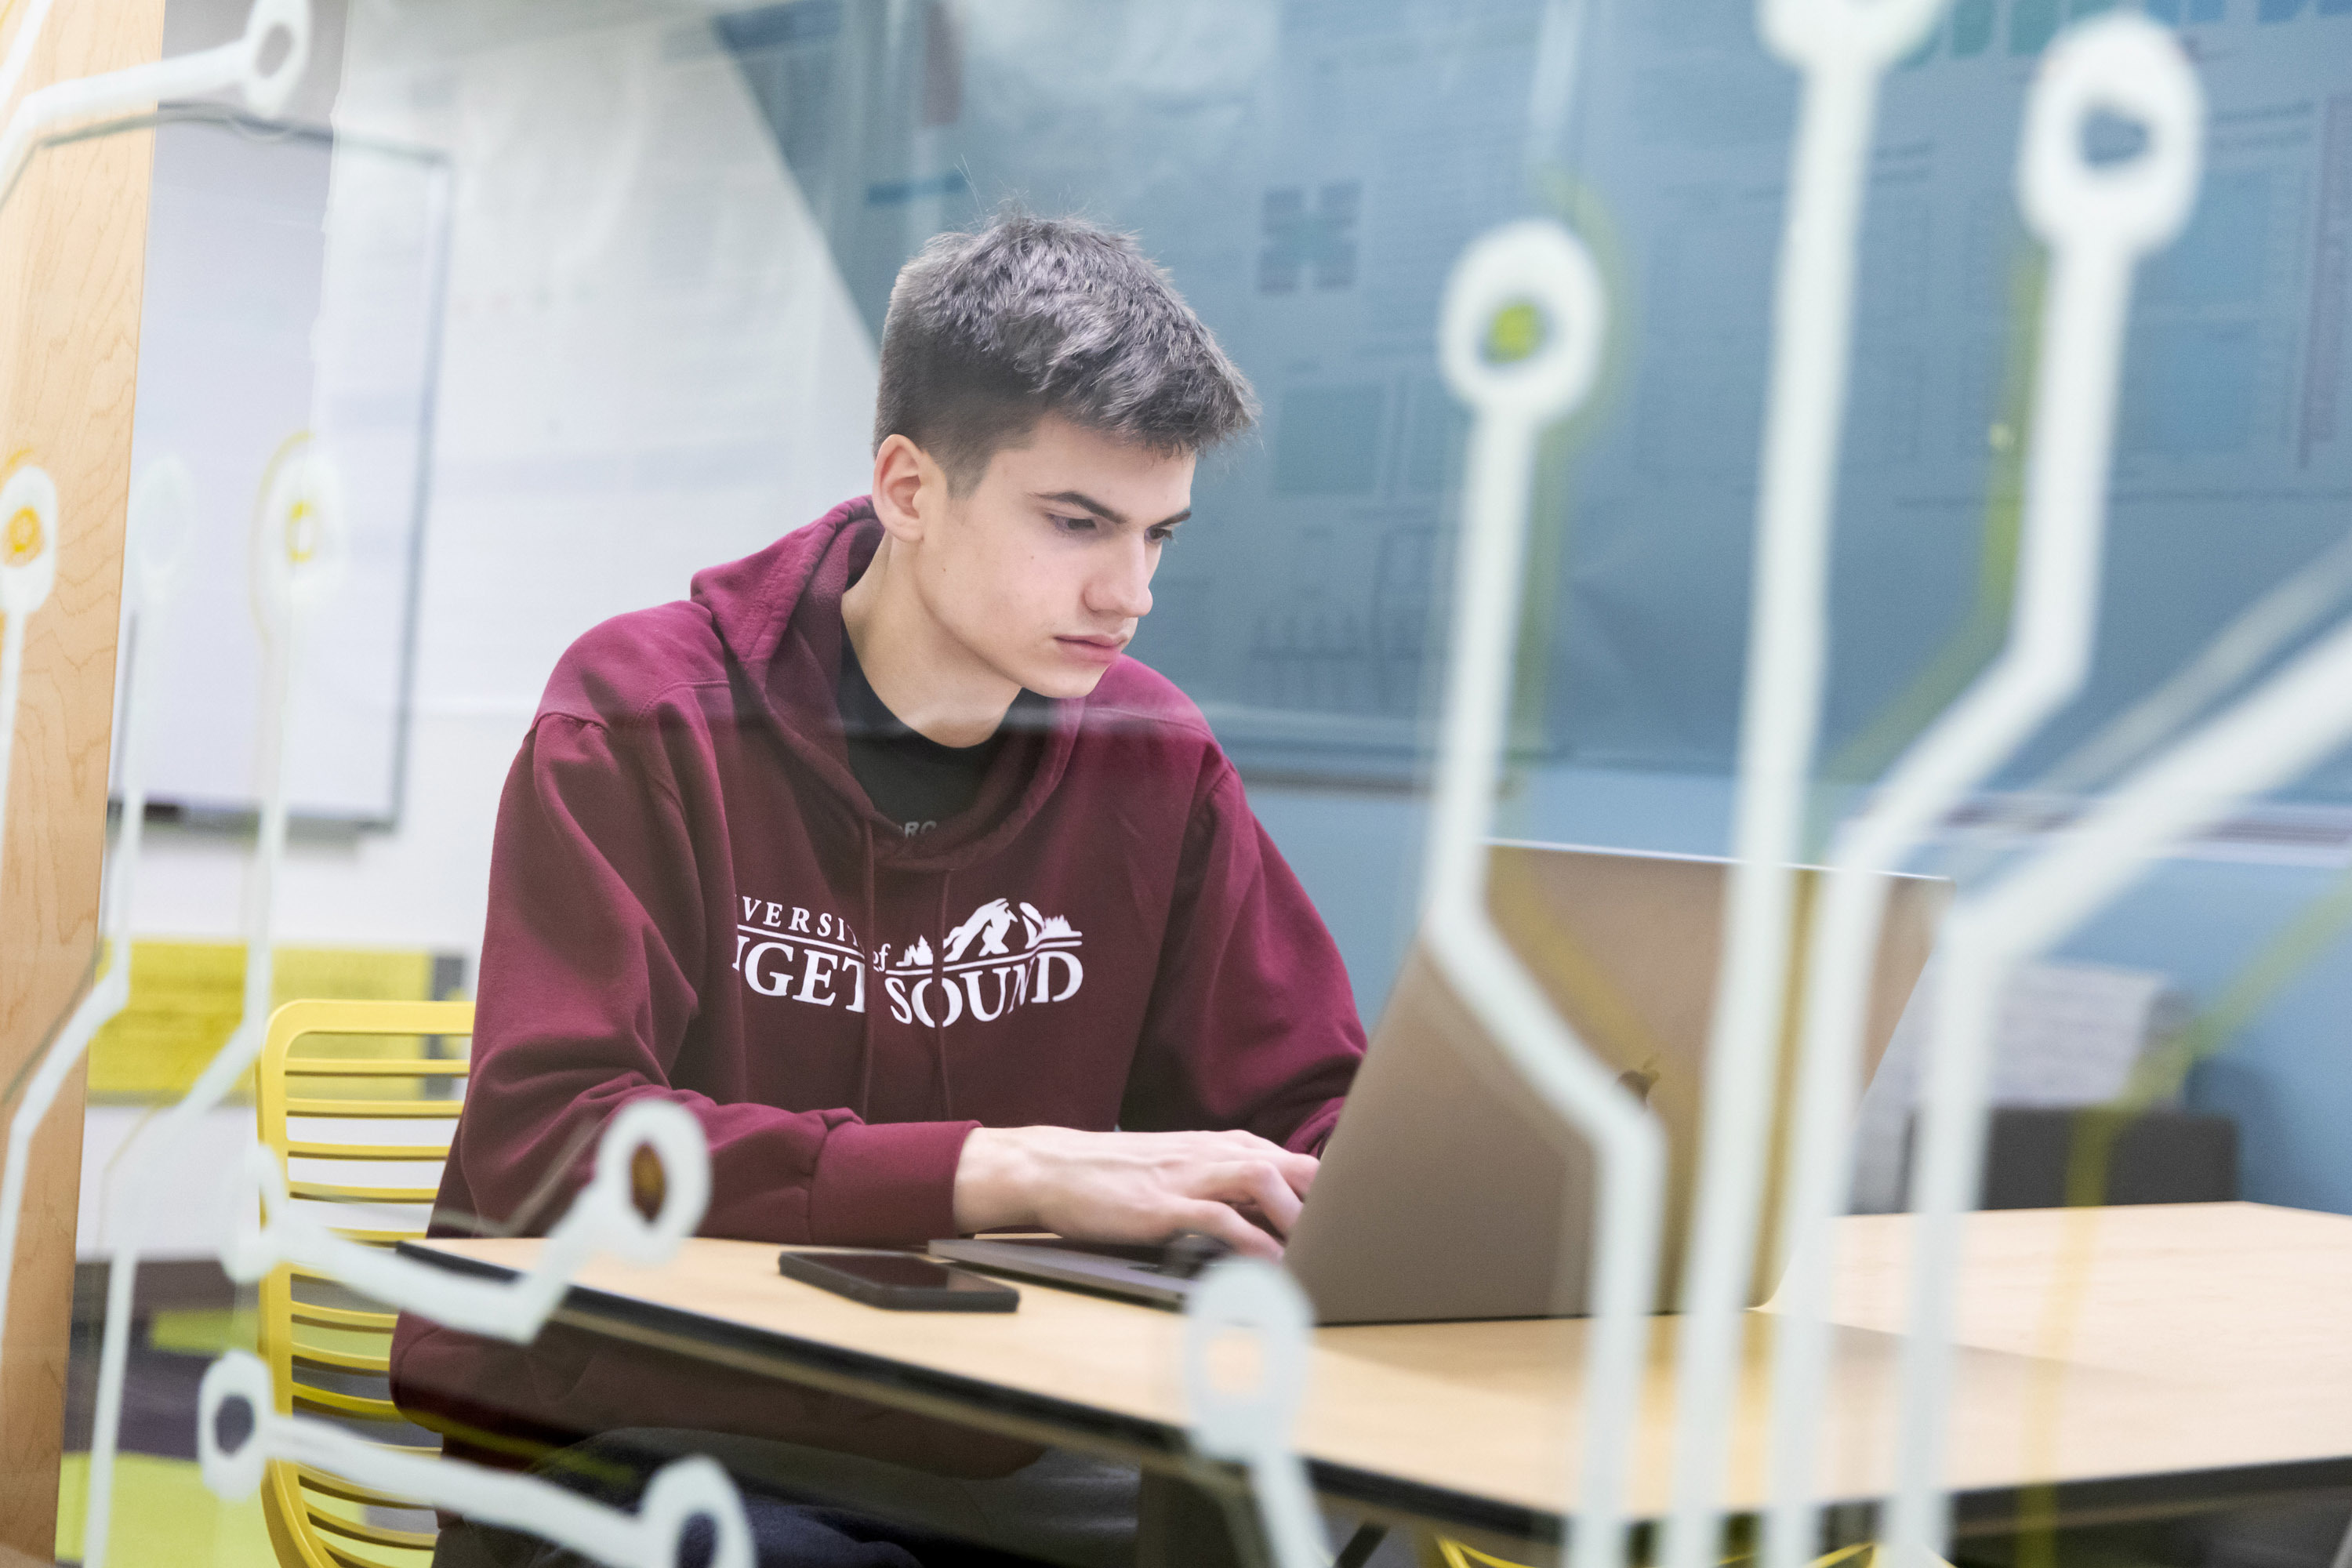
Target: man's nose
x=1124 y=589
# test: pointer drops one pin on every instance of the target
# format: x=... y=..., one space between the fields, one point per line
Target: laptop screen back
x=1449 y=1190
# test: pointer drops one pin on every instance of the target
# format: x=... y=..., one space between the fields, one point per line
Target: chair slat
x=379 y=1237
x=340 y=1361
x=377 y=1066
x=445 y=1108
x=373 y=1534
x=341 y=1317
x=327 y=1402
x=329 y=1192
x=352 y=1491
x=352 y=1557
x=434 y=1153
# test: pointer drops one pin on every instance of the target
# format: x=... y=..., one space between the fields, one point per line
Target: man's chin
x=1066 y=682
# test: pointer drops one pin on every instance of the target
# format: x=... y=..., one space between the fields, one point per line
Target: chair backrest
x=361 y=1100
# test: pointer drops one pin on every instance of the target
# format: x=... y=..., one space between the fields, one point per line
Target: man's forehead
x=1120 y=481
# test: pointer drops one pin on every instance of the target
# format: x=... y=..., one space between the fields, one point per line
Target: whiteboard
x=254 y=331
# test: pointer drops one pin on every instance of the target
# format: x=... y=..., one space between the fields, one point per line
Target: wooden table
x=2139 y=1361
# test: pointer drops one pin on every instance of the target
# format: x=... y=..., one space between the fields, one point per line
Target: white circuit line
x=2099 y=223
x=162 y=506
x=1560 y=56
x=1843 y=48
x=1534 y=263
x=296 y=548
x=2282 y=614
x=20 y=49
x=29 y=571
x=234 y=64
x=1253 y=1426
x=2278 y=731
x=602 y=1218
x=239 y=1431
x=2098 y=220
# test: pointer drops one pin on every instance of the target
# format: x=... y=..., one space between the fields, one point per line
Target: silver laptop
x=1447 y=1191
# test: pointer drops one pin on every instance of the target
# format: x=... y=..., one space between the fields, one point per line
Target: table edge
x=589 y=1307
x=1981 y=1511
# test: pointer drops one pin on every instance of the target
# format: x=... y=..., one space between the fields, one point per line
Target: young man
x=877 y=855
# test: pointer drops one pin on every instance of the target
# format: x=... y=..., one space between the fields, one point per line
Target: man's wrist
x=992 y=1182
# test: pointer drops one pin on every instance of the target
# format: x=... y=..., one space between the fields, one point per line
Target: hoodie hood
x=777 y=616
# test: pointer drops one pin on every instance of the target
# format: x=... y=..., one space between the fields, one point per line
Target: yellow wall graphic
x=185 y=997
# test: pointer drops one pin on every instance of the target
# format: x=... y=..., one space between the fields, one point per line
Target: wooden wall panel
x=72 y=254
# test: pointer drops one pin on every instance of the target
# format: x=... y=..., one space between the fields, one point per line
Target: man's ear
x=908 y=488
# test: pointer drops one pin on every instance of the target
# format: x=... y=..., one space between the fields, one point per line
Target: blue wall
x=2287 y=1076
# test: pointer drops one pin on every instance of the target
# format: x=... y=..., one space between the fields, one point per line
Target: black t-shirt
x=909 y=777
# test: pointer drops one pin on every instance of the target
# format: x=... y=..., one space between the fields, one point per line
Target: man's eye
x=1161 y=535
x=1075 y=524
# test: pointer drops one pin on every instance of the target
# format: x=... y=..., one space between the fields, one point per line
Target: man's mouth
x=1095 y=649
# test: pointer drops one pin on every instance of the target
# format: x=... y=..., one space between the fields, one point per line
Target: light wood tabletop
x=2141 y=1359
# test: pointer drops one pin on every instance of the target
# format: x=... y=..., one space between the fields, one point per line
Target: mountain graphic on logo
x=917 y=954
x=989 y=923
x=1043 y=927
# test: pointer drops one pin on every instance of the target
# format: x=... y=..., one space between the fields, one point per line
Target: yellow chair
x=363 y=1120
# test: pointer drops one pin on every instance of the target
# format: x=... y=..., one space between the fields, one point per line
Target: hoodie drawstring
x=872 y=991
x=938 y=1032
x=866 y=1030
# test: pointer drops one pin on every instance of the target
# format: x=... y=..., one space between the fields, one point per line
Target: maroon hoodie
x=692 y=897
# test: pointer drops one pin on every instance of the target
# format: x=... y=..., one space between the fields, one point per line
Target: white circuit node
x=1843 y=49
x=162 y=506
x=239 y=1431
x=1253 y=1425
x=28 y=541
x=2099 y=220
x=299 y=532
x=29 y=571
x=602 y=1219
x=1521 y=332
x=284 y=25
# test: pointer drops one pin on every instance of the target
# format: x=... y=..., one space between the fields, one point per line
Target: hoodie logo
x=978 y=971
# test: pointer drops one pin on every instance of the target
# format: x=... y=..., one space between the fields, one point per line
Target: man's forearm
x=992 y=1182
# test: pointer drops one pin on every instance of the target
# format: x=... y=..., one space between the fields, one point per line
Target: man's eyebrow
x=1081 y=502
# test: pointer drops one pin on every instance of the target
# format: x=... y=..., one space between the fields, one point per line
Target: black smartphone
x=900 y=1281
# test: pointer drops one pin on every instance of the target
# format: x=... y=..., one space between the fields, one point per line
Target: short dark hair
x=988 y=332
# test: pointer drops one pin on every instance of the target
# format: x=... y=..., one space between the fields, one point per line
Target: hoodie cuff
x=886 y=1183
x=1310 y=1135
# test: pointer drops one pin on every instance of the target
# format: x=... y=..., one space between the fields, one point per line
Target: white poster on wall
x=259 y=341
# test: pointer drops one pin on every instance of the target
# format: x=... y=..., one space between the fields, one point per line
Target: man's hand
x=1131 y=1186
